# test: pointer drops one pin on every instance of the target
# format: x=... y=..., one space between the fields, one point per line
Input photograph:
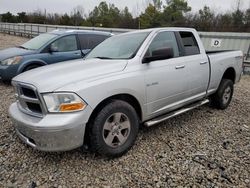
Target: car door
x=90 y=41
x=197 y=66
x=63 y=49
x=166 y=80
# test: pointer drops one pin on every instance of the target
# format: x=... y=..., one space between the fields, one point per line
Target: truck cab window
x=190 y=44
x=163 y=40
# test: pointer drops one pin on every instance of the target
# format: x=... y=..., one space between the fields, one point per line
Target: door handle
x=203 y=63
x=180 y=67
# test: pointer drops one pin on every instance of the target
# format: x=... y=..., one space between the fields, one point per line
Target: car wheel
x=114 y=130
x=222 y=98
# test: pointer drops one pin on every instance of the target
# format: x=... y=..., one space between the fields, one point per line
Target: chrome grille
x=28 y=99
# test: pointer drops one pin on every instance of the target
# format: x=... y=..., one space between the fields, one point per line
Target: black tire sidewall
x=96 y=138
x=225 y=83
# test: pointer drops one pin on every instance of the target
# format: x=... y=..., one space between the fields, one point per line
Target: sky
x=135 y=6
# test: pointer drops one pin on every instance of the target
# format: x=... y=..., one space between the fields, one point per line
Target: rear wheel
x=222 y=98
x=114 y=130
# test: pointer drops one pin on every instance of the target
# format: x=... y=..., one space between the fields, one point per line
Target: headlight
x=63 y=102
x=12 y=61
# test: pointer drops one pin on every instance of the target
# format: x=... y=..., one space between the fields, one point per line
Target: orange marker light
x=71 y=107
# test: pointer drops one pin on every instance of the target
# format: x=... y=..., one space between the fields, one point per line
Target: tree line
x=158 y=13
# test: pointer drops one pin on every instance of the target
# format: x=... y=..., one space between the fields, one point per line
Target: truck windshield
x=119 y=47
x=38 y=42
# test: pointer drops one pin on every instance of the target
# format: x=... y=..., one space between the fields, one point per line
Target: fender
x=30 y=62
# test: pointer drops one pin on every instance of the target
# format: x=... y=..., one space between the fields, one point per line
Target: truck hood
x=12 y=52
x=52 y=77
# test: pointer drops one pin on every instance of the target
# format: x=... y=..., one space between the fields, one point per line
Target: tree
x=8 y=17
x=247 y=20
x=77 y=15
x=206 y=19
x=105 y=15
x=126 y=19
x=157 y=4
x=66 y=20
x=22 y=17
x=173 y=13
x=37 y=17
x=150 y=18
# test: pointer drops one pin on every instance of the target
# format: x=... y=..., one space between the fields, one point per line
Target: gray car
x=48 y=48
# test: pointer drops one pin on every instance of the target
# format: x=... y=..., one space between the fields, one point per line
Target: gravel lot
x=201 y=148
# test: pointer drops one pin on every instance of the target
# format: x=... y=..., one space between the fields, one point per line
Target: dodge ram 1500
x=141 y=77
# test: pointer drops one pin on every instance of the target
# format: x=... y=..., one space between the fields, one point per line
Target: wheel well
x=32 y=64
x=124 y=97
x=229 y=74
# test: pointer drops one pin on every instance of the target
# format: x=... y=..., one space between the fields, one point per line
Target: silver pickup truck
x=141 y=77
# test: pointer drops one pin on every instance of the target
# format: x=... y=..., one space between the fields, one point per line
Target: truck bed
x=221 y=60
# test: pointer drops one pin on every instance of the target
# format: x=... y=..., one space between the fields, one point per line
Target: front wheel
x=114 y=130
x=222 y=98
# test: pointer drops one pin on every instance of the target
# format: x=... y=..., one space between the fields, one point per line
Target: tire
x=114 y=129
x=30 y=67
x=6 y=82
x=223 y=96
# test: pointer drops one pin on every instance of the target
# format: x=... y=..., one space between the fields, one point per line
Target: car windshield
x=38 y=42
x=119 y=46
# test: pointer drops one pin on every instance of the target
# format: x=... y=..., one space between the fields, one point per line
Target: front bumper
x=8 y=72
x=53 y=132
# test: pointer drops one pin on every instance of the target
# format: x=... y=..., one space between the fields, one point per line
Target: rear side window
x=190 y=44
x=90 y=41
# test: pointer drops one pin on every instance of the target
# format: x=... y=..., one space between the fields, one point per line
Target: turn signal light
x=71 y=107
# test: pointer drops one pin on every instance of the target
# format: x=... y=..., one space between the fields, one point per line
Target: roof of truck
x=165 y=28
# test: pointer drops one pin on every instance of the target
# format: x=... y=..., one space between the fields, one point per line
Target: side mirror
x=159 y=54
x=85 y=52
x=52 y=49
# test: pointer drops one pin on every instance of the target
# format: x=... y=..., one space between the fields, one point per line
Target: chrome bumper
x=53 y=132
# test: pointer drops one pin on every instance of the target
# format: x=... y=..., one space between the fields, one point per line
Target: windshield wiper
x=22 y=47
x=103 y=57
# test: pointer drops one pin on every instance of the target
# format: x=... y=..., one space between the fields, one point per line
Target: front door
x=166 y=80
x=64 y=48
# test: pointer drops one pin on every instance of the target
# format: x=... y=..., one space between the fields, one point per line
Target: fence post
x=248 y=53
x=31 y=31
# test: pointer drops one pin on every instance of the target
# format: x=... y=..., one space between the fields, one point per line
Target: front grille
x=28 y=99
x=28 y=92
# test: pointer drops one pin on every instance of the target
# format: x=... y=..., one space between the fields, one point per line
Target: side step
x=175 y=113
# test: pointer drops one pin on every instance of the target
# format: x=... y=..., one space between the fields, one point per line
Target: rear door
x=90 y=41
x=196 y=65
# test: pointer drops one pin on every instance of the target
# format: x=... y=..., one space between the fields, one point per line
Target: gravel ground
x=7 y=41
x=201 y=148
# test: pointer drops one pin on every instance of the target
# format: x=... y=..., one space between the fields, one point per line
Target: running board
x=174 y=113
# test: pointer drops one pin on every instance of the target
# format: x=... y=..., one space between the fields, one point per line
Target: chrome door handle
x=203 y=63
x=180 y=67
